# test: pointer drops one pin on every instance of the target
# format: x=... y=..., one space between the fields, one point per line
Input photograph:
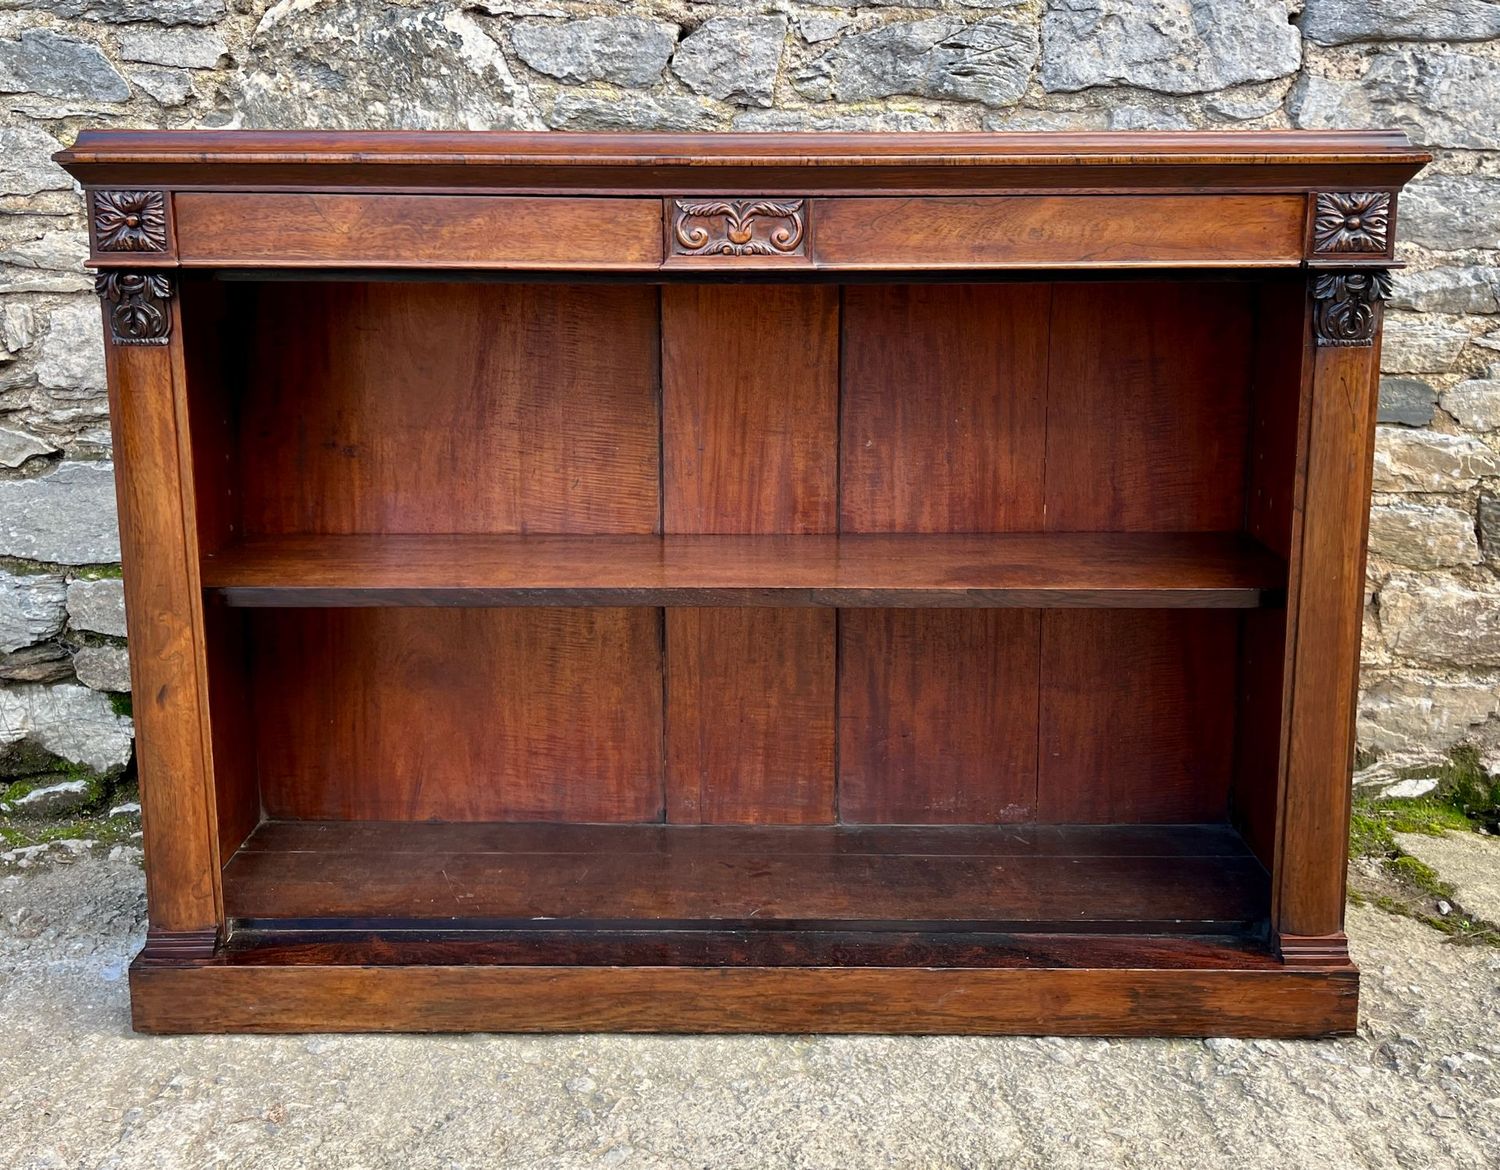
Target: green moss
x=120 y=704
x=1465 y=799
x=22 y=567
x=101 y=830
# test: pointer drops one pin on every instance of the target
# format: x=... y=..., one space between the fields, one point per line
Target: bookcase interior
x=902 y=605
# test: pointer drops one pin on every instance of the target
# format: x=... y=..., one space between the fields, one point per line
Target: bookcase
x=896 y=583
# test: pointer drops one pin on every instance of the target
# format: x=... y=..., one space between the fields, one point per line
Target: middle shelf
x=1009 y=570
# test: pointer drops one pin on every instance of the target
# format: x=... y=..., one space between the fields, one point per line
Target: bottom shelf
x=798 y=881
x=420 y=927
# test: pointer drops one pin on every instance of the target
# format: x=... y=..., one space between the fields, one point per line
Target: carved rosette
x=1346 y=305
x=140 y=306
x=739 y=227
x=130 y=221
x=1347 y=222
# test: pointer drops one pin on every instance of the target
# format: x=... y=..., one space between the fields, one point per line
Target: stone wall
x=1431 y=67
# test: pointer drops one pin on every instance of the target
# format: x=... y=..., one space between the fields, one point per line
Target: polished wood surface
x=938 y=715
x=1328 y=582
x=448 y=408
x=164 y=610
x=944 y=415
x=1062 y=231
x=284 y=230
x=1137 y=715
x=756 y=164
x=1148 y=397
x=1191 y=878
x=1245 y=1001
x=733 y=582
x=1153 y=570
x=459 y=714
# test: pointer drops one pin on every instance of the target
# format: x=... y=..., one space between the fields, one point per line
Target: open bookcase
x=889 y=583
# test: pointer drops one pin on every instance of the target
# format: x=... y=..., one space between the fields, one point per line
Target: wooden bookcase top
x=663 y=203
x=762 y=163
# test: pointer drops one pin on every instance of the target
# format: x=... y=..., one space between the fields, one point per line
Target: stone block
x=1423 y=536
x=32 y=608
x=41 y=61
x=1408 y=401
x=66 y=516
x=988 y=61
x=97 y=605
x=1442 y=621
x=733 y=58
x=623 y=50
x=1166 y=46
x=1426 y=461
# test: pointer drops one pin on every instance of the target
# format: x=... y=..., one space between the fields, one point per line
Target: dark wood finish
x=744 y=164
x=945 y=408
x=415 y=231
x=938 y=716
x=164 y=609
x=1137 y=717
x=1120 y=570
x=459 y=714
x=180 y=945
x=676 y=946
x=448 y=408
x=1282 y=383
x=1061 y=231
x=1148 y=397
x=750 y=735
x=1193 y=878
x=750 y=406
x=1134 y=1001
x=1327 y=592
x=750 y=403
x=1003 y=675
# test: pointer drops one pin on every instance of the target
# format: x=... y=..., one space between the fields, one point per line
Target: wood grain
x=1147 y=407
x=750 y=400
x=148 y=409
x=1283 y=382
x=1197 y=879
x=335 y=230
x=945 y=409
x=938 y=716
x=1156 y=570
x=168 y=998
x=446 y=408
x=1137 y=716
x=1327 y=590
x=750 y=736
x=1060 y=231
x=459 y=714
x=750 y=164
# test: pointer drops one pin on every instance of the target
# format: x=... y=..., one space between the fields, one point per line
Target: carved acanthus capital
x=139 y=304
x=1346 y=305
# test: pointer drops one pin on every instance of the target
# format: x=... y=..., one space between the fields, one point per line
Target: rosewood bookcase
x=896 y=583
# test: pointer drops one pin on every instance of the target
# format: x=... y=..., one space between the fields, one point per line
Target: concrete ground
x=1418 y=1088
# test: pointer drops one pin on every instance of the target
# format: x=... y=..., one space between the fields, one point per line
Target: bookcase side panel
x=153 y=485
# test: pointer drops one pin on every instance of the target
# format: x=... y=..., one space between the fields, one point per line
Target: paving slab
x=1418 y=1087
x=1470 y=862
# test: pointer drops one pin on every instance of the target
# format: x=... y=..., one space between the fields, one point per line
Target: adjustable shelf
x=1069 y=569
x=827 y=583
